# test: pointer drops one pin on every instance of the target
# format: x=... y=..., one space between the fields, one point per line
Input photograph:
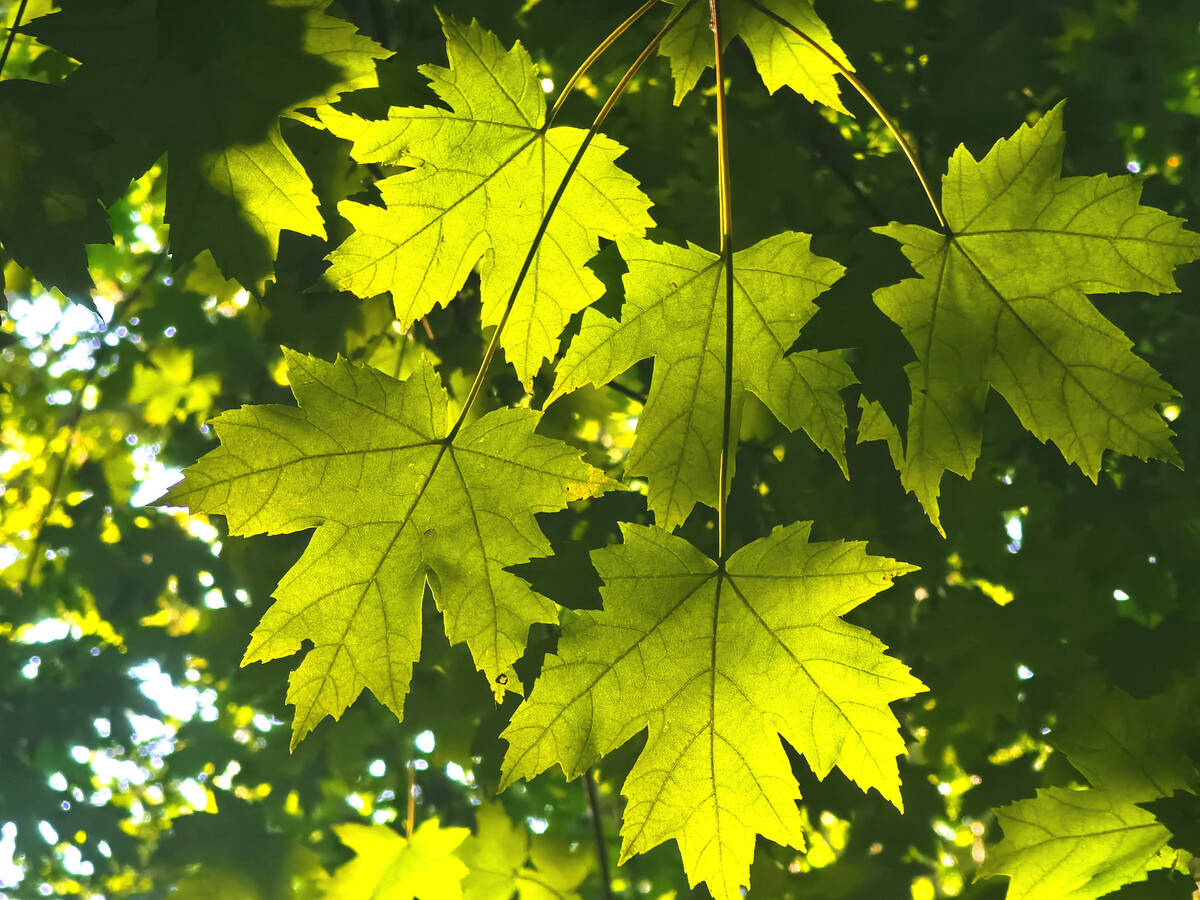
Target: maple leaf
x=1002 y=303
x=482 y=176
x=497 y=854
x=388 y=866
x=398 y=500
x=675 y=311
x=207 y=82
x=169 y=388
x=48 y=190
x=1104 y=735
x=717 y=663
x=782 y=57
x=1073 y=845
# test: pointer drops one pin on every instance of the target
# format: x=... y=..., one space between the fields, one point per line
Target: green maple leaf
x=782 y=57
x=1073 y=845
x=498 y=853
x=388 y=866
x=717 y=663
x=1130 y=748
x=482 y=176
x=398 y=501
x=1002 y=303
x=206 y=82
x=675 y=311
x=169 y=387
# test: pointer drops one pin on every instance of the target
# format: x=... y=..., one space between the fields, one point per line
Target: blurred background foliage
x=139 y=760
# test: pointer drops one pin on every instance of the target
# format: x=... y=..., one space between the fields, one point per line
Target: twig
x=593 y=802
x=866 y=95
x=12 y=34
x=412 y=801
x=725 y=198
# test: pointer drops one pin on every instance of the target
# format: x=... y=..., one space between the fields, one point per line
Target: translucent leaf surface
x=717 y=665
x=499 y=856
x=1002 y=303
x=675 y=311
x=1073 y=845
x=782 y=57
x=368 y=460
x=389 y=867
x=483 y=174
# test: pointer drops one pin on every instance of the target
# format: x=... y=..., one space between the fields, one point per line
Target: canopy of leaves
x=399 y=500
x=717 y=663
x=1055 y=752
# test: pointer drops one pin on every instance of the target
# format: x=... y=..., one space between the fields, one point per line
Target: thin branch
x=627 y=392
x=595 y=55
x=725 y=193
x=412 y=802
x=12 y=34
x=593 y=802
x=866 y=95
x=494 y=344
x=72 y=419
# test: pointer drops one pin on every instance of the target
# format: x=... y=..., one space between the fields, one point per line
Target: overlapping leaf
x=1105 y=735
x=782 y=57
x=675 y=311
x=206 y=82
x=499 y=853
x=1002 y=303
x=1073 y=845
x=483 y=174
x=49 y=210
x=368 y=459
x=717 y=663
x=388 y=866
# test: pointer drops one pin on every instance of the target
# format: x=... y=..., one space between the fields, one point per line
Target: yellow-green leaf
x=369 y=461
x=1073 y=845
x=498 y=855
x=675 y=311
x=389 y=867
x=782 y=57
x=483 y=173
x=1002 y=303
x=717 y=663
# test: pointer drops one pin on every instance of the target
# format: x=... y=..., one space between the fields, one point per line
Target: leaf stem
x=725 y=202
x=595 y=55
x=494 y=344
x=12 y=34
x=593 y=802
x=866 y=95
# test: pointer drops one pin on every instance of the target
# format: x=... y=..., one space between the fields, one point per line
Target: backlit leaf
x=675 y=311
x=498 y=855
x=1073 y=845
x=482 y=175
x=718 y=664
x=387 y=866
x=1002 y=303
x=782 y=57
x=368 y=461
